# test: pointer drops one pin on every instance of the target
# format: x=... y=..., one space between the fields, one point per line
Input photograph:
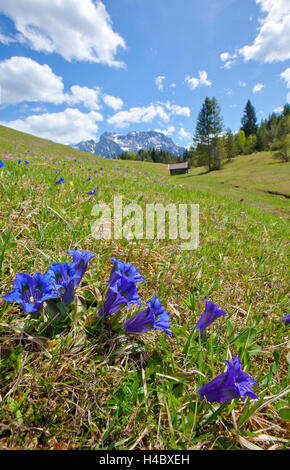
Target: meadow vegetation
x=83 y=382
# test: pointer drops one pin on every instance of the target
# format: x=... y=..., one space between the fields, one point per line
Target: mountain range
x=110 y=145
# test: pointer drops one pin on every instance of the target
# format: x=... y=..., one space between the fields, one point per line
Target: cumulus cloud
x=273 y=40
x=183 y=135
x=168 y=131
x=67 y=127
x=159 y=82
x=88 y=97
x=176 y=109
x=77 y=30
x=23 y=79
x=241 y=83
x=194 y=82
x=286 y=76
x=228 y=59
x=278 y=110
x=258 y=87
x=113 y=102
x=139 y=114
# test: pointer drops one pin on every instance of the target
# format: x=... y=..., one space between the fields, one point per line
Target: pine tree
x=208 y=128
x=249 y=120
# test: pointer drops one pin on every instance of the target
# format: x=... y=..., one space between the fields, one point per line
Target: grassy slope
x=82 y=388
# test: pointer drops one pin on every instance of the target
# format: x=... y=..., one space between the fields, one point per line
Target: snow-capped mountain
x=111 y=144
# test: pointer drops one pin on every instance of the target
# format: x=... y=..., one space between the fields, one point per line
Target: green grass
x=82 y=383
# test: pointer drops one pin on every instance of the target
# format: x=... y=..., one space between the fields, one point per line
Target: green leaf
x=245 y=336
x=284 y=413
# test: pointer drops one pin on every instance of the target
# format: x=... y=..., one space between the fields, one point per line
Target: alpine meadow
x=144 y=227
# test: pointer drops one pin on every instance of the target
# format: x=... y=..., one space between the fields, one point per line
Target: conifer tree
x=249 y=120
x=208 y=128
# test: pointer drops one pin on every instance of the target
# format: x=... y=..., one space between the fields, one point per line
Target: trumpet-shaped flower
x=31 y=292
x=286 y=319
x=2 y=164
x=120 y=268
x=154 y=317
x=119 y=294
x=234 y=383
x=63 y=277
x=80 y=262
x=60 y=180
x=210 y=313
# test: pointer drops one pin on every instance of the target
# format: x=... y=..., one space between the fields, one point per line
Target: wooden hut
x=178 y=168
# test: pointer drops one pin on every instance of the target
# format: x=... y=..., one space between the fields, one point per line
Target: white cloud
x=258 y=87
x=23 y=79
x=168 y=131
x=286 y=76
x=242 y=83
x=159 y=82
x=77 y=30
x=113 y=102
x=273 y=40
x=183 y=135
x=89 y=97
x=67 y=127
x=194 y=82
x=228 y=91
x=176 y=109
x=228 y=58
x=278 y=110
x=138 y=114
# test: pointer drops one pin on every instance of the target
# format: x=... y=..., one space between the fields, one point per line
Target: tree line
x=151 y=155
x=212 y=147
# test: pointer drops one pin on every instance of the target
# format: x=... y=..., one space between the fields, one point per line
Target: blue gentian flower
x=31 y=292
x=26 y=162
x=92 y=192
x=18 y=161
x=96 y=171
x=89 y=179
x=120 y=294
x=60 y=180
x=234 y=383
x=210 y=313
x=154 y=317
x=63 y=277
x=80 y=262
x=2 y=164
x=120 y=268
x=286 y=319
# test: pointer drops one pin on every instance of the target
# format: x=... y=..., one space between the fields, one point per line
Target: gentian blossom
x=2 y=164
x=210 y=313
x=234 y=383
x=286 y=319
x=63 y=277
x=154 y=317
x=120 y=293
x=80 y=263
x=92 y=192
x=120 y=268
x=31 y=292
x=61 y=180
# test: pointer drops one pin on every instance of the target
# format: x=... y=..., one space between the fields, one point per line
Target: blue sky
x=71 y=70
